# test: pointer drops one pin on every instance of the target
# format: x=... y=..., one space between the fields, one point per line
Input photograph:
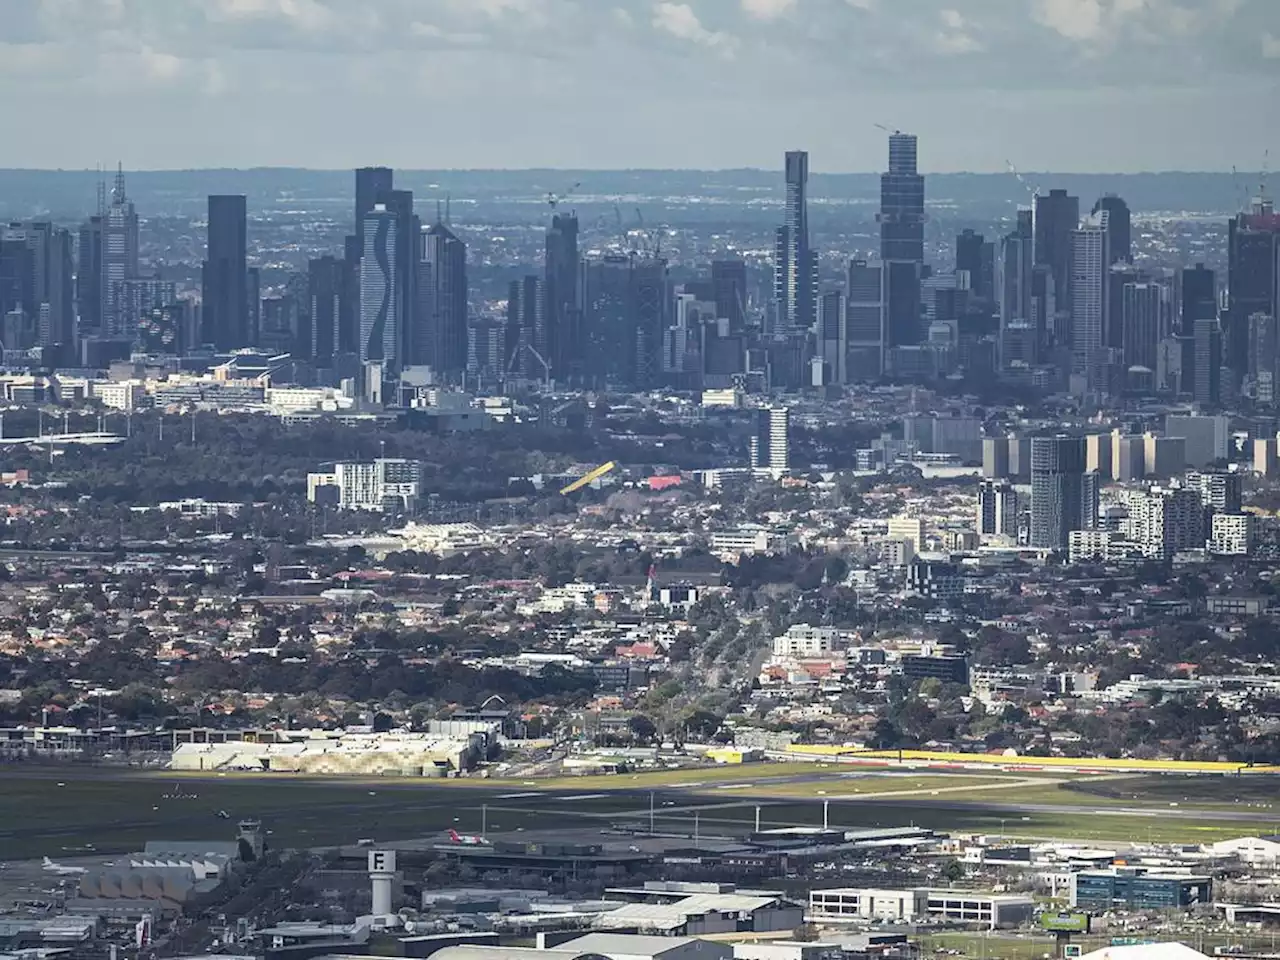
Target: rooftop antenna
x=117 y=195
x=448 y=209
x=438 y=216
x=102 y=193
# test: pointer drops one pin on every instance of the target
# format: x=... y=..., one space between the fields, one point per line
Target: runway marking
x=733 y=786
x=518 y=796
x=585 y=796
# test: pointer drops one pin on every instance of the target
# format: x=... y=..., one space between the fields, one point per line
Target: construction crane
x=1033 y=190
x=589 y=477
x=546 y=367
x=555 y=199
x=881 y=126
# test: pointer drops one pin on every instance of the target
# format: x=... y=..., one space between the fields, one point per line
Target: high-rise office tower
x=225 y=316
x=440 y=325
x=380 y=315
x=41 y=284
x=833 y=347
x=625 y=308
x=1264 y=357
x=563 y=290
x=253 y=306
x=1198 y=297
x=902 y=241
x=770 y=445
x=372 y=184
x=119 y=251
x=1056 y=219
x=399 y=203
x=729 y=286
x=1120 y=223
x=976 y=257
x=325 y=281
x=1142 y=307
x=1253 y=282
x=89 y=274
x=1089 y=271
x=1058 y=490
x=1119 y=276
x=1017 y=262
x=997 y=509
x=795 y=262
x=865 y=321
x=1208 y=362
x=349 y=318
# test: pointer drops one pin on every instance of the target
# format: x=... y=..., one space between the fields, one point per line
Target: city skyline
x=256 y=83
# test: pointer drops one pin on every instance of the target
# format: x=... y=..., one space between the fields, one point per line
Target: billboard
x=1066 y=922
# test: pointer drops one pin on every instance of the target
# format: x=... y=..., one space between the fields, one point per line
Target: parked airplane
x=60 y=870
x=470 y=840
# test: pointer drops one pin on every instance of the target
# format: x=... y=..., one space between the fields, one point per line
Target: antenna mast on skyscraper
x=102 y=193
x=117 y=194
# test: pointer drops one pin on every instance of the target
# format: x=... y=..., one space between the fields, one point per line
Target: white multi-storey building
x=1231 y=534
x=1166 y=520
x=384 y=484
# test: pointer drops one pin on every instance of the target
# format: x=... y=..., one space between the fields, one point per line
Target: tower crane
x=555 y=199
x=1033 y=190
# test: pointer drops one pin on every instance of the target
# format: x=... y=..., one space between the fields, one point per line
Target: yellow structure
x=995 y=761
x=733 y=755
x=588 y=478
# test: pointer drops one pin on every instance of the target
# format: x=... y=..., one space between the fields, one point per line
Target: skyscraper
x=832 y=331
x=119 y=251
x=563 y=309
x=325 y=281
x=89 y=274
x=399 y=203
x=1142 y=306
x=525 y=305
x=864 y=321
x=1254 y=275
x=1206 y=381
x=36 y=280
x=440 y=325
x=1089 y=271
x=380 y=317
x=729 y=286
x=902 y=240
x=770 y=444
x=1120 y=223
x=1198 y=297
x=1057 y=217
x=795 y=263
x=975 y=256
x=1058 y=490
x=1017 y=261
x=372 y=183
x=225 y=277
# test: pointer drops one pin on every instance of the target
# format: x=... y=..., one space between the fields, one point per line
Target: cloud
x=1074 y=19
x=767 y=9
x=1271 y=46
x=867 y=5
x=955 y=37
x=679 y=20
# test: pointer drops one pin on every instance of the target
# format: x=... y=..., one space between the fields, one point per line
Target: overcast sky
x=1063 y=85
